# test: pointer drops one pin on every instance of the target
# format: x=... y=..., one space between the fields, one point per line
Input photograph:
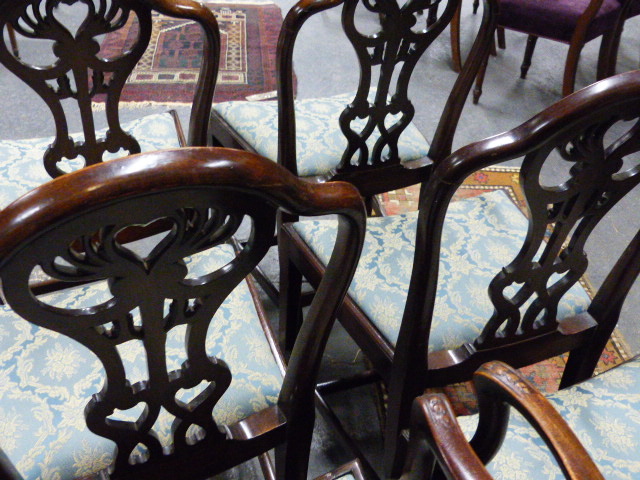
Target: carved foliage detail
x=396 y=48
x=563 y=216
x=78 y=72
x=159 y=286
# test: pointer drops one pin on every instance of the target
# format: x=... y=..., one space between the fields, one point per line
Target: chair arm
x=437 y=446
x=498 y=386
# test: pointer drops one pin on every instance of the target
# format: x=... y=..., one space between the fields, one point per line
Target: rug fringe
x=101 y=106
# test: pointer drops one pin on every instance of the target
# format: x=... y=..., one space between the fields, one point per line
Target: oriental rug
x=545 y=375
x=168 y=71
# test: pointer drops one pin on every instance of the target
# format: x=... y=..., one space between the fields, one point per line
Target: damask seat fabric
x=481 y=235
x=604 y=413
x=24 y=169
x=319 y=141
x=46 y=379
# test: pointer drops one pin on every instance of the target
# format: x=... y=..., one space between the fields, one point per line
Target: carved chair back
x=79 y=71
x=593 y=131
x=204 y=194
x=381 y=106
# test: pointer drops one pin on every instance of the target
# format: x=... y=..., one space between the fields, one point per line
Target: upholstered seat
x=603 y=412
x=47 y=378
x=481 y=235
x=319 y=141
x=22 y=168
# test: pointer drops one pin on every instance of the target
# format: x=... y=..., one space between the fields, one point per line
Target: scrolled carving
x=78 y=72
x=396 y=48
x=563 y=216
x=159 y=286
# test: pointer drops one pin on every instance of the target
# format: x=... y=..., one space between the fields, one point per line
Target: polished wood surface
x=204 y=193
x=436 y=438
x=580 y=128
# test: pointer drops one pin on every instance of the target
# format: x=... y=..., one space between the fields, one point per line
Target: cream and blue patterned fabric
x=46 y=379
x=604 y=413
x=481 y=235
x=22 y=168
x=319 y=141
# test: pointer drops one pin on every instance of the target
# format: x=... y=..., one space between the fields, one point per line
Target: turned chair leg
x=455 y=40
x=528 y=54
x=477 y=91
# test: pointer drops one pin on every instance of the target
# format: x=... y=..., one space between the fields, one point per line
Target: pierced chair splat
x=366 y=137
x=76 y=71
x=440 y=291
x=164 y=365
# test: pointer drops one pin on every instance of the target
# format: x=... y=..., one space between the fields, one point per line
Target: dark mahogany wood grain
x=70 y=228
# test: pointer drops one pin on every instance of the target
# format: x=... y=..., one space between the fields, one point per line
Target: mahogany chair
x=79 y=73
x=441 y=291
x=572 y=22
x=365 y=137
x=589 y=430
x=164 y=366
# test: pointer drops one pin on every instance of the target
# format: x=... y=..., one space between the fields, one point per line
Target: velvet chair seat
x=22 y=168
x=47 y=378
x=319 y=141
x=604 y=413
x=482 y=234
x=556 y=19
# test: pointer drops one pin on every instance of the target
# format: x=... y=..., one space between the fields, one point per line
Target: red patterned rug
x=545 y=375
x=168 y=71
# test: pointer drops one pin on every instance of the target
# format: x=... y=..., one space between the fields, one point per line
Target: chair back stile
x=205 y=194
x=394 y=49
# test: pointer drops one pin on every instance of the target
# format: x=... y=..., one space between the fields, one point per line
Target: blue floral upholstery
x=47 y=379
x=481 y=235
x=604 y=413
x=22 y=168
x=319 y=140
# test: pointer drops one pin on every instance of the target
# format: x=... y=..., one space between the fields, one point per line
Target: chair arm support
x=498 y=386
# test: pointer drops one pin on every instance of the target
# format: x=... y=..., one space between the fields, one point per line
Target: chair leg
x=290 y=302
x=477 y=91
x=528 y=54
x=570 y=68
x=502 y=42
x=608 y=56
x=455 y=40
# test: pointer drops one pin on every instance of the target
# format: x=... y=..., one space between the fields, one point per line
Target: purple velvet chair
x=574 y=22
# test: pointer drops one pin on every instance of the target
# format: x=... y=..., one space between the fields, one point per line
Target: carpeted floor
x=168 y=71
